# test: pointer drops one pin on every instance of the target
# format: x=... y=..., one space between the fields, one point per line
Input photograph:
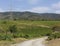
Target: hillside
x=29 y=16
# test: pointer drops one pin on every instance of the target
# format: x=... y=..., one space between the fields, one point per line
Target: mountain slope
x=29 y=16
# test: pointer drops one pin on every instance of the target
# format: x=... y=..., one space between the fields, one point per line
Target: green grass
x=34 y=32
x=25 y=29
x=30 y=29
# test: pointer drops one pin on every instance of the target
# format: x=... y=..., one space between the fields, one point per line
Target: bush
x=13 y=30
x=26 y=36
x=5 y=37
x=4 y=22
x=54 y=36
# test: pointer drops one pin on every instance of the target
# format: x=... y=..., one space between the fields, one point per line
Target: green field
x=10 y=30
x=26 y=29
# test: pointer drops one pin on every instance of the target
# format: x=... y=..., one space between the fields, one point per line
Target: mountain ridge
x=29 y=15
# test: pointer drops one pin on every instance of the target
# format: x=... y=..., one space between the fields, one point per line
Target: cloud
x=58 y=12
x=40 y=9
x=56 y=6
x=1 y=10
x=33 y=1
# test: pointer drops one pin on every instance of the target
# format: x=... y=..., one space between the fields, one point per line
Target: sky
x=38 y=6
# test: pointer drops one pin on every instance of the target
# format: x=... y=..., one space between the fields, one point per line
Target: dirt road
x=34 y=42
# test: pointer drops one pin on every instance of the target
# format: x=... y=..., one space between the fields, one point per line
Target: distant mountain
x=29 y=16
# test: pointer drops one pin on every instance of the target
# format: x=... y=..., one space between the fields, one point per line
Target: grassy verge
x=14 y=41
x=54 y=42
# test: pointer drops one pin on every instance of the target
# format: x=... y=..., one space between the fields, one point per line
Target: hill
x=29 y=16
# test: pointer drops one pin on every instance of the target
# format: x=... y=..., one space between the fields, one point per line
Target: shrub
x=4 y=22
x=13 y=30
x=26 y=36
x=5 y=37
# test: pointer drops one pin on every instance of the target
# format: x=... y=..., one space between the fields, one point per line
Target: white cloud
x=40 y=9
x=33 y=1
x=58 y=12
x=55 y=8
x=1 y=10
x=56 y=5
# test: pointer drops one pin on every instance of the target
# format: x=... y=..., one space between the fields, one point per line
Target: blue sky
x=39 y=6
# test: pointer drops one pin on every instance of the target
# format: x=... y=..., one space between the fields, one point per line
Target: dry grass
x=55 y=42
x=8 y=43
